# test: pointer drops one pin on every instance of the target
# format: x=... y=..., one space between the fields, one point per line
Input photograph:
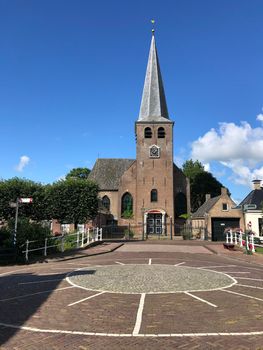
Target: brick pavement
x=116 y=313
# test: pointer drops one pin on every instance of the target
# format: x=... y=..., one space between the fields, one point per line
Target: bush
x=128 y=233
x=26 y=230
x=187 y=234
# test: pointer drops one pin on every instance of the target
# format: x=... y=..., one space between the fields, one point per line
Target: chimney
x=223 y=191
x=257 y=184
x=207 y=197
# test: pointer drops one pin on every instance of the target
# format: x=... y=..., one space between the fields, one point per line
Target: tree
x=79 y=173
x=192 y=168
x=201 y=183
x=15 y=188
x=73 y=200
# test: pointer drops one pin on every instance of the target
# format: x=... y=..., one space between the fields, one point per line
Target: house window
x=148 y=133
x=154 y=195
x=106 y=202
x=127 y=206
x=224 y=206
x=161 y=133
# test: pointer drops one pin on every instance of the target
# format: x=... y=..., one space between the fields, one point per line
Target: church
x=149 y=191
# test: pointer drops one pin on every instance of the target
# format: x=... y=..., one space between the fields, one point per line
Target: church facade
x=149 y=190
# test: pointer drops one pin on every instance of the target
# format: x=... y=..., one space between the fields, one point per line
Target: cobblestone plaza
x=137 y=297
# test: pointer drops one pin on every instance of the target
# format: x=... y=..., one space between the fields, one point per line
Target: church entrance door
x=154 y=224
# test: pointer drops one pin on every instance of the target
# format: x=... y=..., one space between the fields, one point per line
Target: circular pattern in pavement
x=132 y=279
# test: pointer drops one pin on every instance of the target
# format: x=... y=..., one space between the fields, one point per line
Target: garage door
x=220 y=224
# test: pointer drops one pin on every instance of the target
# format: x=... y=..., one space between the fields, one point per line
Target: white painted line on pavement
x=242 y=295
x=245 y=285
x=200 y=299
x=90 y=297
x=248 y=278
x=172 y=335
x=138 y=322
x=120 y=263
x=29 y=295
x=236 y=272
x=210 y=267
x=179 y=264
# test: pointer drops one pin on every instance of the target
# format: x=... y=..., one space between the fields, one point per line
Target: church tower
x=154 y=152
x=149 y=190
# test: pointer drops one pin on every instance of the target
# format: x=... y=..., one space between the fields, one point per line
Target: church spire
x=153 y=104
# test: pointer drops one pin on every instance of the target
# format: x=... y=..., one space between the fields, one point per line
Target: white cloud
x=24 y=160
x=61 y=177
x=237 y=147
x=207 y=167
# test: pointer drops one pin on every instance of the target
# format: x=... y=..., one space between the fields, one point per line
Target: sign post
x=19 y=200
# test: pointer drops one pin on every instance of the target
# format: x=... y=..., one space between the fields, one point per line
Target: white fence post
x=252 y=243
x=62 y=243
x=88 y=235
x=231 y=236
x=45 y=248
x=235 y=236
x=82 y=239
x=27 y=244
x=241 y=239
x=78 y=239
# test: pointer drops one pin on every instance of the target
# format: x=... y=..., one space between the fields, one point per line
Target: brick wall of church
x=154 y=173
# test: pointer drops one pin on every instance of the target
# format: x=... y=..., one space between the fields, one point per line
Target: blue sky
x=72 y=73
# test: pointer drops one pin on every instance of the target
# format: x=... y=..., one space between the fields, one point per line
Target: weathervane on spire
x=153 y=22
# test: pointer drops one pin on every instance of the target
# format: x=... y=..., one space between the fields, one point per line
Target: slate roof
x=153 y=104
x=107 y=172
x=205 y=207
x=254 y=197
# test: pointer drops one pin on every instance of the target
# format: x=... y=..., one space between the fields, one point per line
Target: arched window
x=148 y=133
x=127 y=206
x=161 y=133
x=154 y=195
x=106 y=202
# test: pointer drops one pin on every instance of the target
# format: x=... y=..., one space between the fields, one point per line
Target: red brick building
x=150 y=188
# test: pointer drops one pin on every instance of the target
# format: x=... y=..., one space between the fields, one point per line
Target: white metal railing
x=236 y=238
x=82 y=238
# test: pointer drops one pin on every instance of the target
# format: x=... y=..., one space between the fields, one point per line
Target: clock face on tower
x=154 y=152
